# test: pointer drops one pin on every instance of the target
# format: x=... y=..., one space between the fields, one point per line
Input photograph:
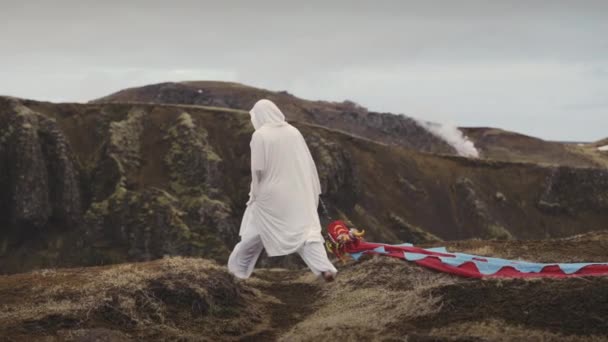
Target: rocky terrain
x=100 y=183
x=377 y=298
x=347 y=116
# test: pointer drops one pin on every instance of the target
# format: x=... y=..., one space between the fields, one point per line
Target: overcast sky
x=536 y=67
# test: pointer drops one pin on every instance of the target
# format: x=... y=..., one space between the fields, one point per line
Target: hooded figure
x=281 y=214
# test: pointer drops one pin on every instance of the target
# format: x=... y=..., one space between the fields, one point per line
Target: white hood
x=266 y=112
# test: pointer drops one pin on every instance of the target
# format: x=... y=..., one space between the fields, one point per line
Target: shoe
x=328 y=276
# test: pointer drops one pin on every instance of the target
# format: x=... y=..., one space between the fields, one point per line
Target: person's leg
x=244 y=256
x=314 y=255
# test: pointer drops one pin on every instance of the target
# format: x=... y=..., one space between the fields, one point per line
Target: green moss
x=196 y=241
x=3 y=246
x=498 y=232
x=6 y=134
x=119 y=193
x=124 y=135
x=185 y=120
x=165 y=199
x=200 y=201
x=411 y=232
x=190 y=157
x=103 y=208
x=212 y=156
x=97 y=209
x=325 y=157
x=206 y=244
x=178 y=187
x=243 y=125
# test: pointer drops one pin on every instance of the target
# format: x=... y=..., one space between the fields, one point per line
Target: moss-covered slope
x=91 y=184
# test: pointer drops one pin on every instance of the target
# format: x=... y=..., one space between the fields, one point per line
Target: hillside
x=345 y=116
x=377 y=298
x=602 y=142
x=499 y=144
x=401 y=130
x=92 y=184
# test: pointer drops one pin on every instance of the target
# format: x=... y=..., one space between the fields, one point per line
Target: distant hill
x=347 y=116
x=600 y=143
x=498 y=144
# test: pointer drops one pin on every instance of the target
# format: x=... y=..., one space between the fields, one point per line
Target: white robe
x=245 y=254
x=285 y=187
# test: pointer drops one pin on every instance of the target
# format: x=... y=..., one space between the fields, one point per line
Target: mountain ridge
x=394 y=129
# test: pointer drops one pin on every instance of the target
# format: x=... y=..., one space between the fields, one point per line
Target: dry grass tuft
x=377 y=298
x=171 y=298
x=368 y=297
x=481 y=250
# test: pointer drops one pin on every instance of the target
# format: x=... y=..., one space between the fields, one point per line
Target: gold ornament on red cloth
x=339 y=236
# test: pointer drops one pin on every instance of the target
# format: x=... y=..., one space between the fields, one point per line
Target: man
x=281 y=214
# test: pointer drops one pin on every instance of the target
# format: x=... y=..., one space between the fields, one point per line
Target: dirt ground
x=296 y=299
x=566 y=306
x=374 y=299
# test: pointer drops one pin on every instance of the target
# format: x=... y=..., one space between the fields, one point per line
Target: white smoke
x=453 y=136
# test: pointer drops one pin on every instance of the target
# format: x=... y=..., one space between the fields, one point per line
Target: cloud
x=598 y=72
x=472 y=63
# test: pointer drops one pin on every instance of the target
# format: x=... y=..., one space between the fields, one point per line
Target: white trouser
x=245 y=254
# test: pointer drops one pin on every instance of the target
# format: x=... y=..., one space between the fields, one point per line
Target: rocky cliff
x=90 y=184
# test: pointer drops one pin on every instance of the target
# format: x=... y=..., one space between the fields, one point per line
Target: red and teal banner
x=342 y=240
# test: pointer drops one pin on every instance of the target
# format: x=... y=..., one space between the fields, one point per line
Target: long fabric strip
x=475 y=266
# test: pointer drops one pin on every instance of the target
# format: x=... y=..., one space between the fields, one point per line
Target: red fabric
x=433 y=261
x=469 y=269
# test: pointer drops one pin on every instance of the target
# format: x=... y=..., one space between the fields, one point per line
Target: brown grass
x=381 y=298
x=500 y=331
x=591 y=152
x=367 y=298
x=377 y=298
x=170 y=298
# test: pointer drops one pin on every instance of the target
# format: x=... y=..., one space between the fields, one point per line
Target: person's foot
x=328 y=276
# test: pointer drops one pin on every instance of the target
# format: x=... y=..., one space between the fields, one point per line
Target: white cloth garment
x=245 y=254
x=281 y=214
x=285 y=188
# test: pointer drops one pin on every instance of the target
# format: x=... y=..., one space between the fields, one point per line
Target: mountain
x=109 y=182
x=347 y=116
